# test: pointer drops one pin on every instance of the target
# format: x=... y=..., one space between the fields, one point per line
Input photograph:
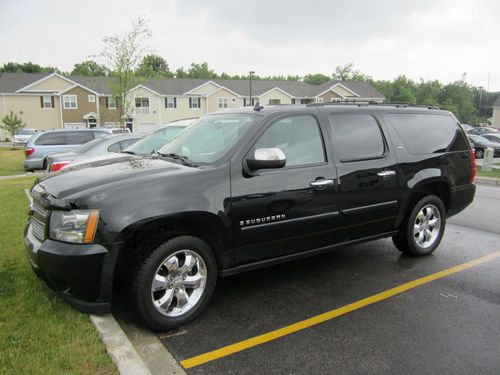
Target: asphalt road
x=448 y=326
x=484 y=213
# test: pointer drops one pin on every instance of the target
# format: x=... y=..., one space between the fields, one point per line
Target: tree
x=316 y=79
x=459 y=95
x=29 y=67
x=12 y=123
x=89 y=68
x=348 y=73
x=181 y=73
x=122 y=56
x=201 y=71
x=153 y=66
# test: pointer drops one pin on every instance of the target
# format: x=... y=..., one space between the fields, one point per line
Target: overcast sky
x=436 y=39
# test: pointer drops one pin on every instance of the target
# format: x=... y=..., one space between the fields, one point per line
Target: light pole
x=480 y=88
x=250 y=83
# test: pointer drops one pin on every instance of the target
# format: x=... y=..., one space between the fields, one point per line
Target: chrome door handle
x=386 y=173
x=321 y=183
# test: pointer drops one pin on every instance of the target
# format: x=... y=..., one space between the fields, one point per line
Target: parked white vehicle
x=22 y=136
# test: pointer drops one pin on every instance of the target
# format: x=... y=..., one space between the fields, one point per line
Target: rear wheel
x=174 y=283
x=423 y=228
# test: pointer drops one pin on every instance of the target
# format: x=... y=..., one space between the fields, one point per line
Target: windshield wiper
x=128 y=152
x=181 y=158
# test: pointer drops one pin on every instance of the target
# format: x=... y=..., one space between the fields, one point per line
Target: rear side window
x=79 y=138
x=428 y=133
x=357 y=136
x=56 y=138
x=299 y=137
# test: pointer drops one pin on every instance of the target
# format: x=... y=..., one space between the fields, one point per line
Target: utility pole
x=480 y=88
x=250 y=83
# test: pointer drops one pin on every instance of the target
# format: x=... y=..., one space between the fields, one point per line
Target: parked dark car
x=492 y=137
x=480 y=144
x=243 y=189
x=98 y=147
x=479 y=130
x=42 y=144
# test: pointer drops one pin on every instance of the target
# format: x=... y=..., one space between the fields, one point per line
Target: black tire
x=405 y=240
x=479 y=153
x=141 y=293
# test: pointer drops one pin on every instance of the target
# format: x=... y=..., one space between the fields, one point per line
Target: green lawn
x=11 y=161
x=39 y=334
x=495 y=173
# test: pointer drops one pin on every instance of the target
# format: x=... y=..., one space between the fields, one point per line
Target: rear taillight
x=472 y=154
x=28 y=151
x=58 y=165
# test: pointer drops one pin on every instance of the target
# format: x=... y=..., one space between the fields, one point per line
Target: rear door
x=283 y=211
x=369 y=193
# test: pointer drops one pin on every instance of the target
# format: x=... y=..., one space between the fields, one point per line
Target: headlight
x=77 y=226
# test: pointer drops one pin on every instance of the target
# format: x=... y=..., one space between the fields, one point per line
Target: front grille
x=39 y=219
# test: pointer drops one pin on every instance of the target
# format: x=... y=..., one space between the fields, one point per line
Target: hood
x=73 y=183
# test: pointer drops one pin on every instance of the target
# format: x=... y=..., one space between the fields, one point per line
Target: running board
x=303 y=254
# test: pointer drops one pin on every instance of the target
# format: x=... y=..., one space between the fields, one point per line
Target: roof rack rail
x=359 y=104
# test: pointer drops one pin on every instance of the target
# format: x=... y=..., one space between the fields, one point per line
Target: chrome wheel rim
x=179 y=283
x=427 y=225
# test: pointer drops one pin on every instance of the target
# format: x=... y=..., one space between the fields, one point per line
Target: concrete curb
x=151 y=350
x=118 y=346
x=487 y=181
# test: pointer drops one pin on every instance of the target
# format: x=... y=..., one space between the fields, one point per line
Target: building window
x=320 y=100
x=336 y=100
x=70 y=102
x=274 y=101
x=246 y=102
x=91 y=98
x=233 y=100
x=110 y=102
x=142 y=106
x=194 y=103
x=222 y=103
x=170 y=102
x=47 y=101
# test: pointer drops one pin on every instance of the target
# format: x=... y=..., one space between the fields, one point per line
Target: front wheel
x=423 y=228
x=479 y=153
x=174 y=283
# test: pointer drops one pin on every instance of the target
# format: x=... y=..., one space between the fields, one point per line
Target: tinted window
x=99 y=134
x=357 y=136
x=115 y=147
x=298 y=137
x=88 y=146
x=428 y=133
x=492 y=137
x=56 y=138
x=127 y=142
x=79 y=138
x=25 y=132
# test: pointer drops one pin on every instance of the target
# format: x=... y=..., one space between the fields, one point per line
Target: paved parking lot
x=448 y=325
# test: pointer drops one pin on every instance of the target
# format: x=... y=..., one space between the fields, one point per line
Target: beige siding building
x=52 y=101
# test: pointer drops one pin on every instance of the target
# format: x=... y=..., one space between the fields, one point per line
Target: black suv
x=244 y=189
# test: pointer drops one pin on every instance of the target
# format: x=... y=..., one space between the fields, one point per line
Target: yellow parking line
x=273 y=335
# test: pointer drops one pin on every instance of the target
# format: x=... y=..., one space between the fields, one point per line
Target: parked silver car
x=97 y=147
x=42 y=144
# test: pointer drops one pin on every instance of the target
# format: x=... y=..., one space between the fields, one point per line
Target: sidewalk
x=30 y=174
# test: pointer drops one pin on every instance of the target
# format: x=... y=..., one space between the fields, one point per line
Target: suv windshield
x=155 y=140
x=209 y=138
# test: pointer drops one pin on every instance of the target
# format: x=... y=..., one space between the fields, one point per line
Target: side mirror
x=267 y=158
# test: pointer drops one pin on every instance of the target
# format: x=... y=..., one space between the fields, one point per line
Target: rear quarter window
x=56 y=138
x=428 y=133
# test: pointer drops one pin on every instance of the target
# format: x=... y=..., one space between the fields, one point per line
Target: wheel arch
x=141 y=237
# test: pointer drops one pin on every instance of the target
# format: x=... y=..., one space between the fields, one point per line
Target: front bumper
x=81 y=274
